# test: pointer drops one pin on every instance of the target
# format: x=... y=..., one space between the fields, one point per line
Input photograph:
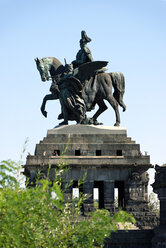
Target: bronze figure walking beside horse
x=94 y=91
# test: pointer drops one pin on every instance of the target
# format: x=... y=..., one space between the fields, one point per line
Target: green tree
x=154 y=204
x=39 y=217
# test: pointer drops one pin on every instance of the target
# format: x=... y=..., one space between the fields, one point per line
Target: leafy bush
x=154 y=204
x=8 y=172
x=39 y=217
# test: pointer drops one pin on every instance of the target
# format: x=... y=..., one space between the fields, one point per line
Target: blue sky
x=130 y=34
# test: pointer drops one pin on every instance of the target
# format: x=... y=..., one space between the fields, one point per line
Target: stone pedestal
x=110 y=158
x=159 y=187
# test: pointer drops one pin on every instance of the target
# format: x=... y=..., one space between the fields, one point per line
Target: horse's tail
x=119 y=87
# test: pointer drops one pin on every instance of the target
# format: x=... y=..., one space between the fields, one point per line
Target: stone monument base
x=112 y=161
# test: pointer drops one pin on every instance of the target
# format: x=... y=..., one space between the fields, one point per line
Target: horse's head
x=43 y=69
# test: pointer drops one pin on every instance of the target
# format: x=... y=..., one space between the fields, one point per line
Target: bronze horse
x=94 y=91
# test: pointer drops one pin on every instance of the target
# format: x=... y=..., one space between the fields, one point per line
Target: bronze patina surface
x=81 y=85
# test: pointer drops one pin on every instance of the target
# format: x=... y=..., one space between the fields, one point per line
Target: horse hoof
x=60 y=117
x=97 y=123
x=45 y=113
x=117 y=124
x=124 y=108
x=63 y=123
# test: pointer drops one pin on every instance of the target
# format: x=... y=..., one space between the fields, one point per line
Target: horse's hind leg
x=121 y=103
x=102 y=108
x=114 y=104
x=119 y=98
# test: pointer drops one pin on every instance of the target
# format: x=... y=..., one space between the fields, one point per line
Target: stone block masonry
x=112 y=161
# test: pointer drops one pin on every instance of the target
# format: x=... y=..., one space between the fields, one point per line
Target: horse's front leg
x=102 y=108
x=45 y=99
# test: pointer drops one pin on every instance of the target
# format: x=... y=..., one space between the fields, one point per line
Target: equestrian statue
x=81 y=85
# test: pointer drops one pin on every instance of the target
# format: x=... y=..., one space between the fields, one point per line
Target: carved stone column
x=137 y=185
x=108 y=195
x=159 y=187
x=136 y=199
x=88 y=192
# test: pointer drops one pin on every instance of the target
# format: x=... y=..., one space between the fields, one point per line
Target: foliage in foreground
x=38 y=217
x=154 y=204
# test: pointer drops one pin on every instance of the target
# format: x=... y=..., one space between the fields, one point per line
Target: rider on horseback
x=79 y=90
x=84 y=54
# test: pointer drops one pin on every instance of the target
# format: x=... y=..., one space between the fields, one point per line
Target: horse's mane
x=55 y=61
x=57 y=66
